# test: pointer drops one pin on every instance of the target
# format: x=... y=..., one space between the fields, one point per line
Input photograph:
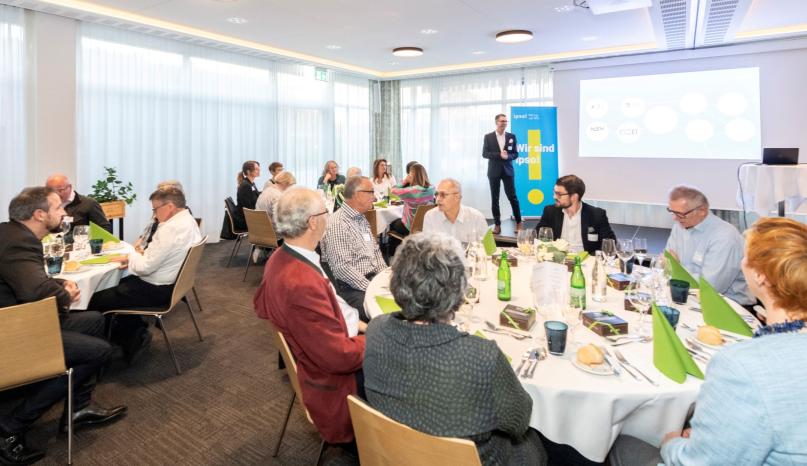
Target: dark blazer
x=246 y=197
x=593 y=223
x=490 y=150
x=22 y=272
x=84 y=210
x=301 y=304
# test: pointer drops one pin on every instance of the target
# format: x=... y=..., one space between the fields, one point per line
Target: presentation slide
x=704 y=115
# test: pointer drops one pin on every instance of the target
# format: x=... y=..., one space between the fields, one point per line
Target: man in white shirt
x=451 y=217
x=153 y=272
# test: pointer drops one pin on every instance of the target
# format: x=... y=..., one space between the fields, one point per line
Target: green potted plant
x=113 y=194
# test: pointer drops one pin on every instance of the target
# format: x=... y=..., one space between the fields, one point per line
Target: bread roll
x=710 y=335
x=71 y=266
x=109 y=245
x=590 y=355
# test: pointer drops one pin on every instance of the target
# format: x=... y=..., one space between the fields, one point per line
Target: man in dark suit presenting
x=583 y=226
x=500 y=148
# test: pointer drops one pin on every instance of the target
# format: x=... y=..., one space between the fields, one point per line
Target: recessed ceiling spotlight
x=589 y=38
x=564 y=8
x=333 y=47
x=478 y=52
x=236 y=20
x=516 y=35
x=407 y=51
x=429 y=31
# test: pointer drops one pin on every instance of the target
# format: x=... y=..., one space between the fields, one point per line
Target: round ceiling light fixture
x=407 y=51
x=514 y=36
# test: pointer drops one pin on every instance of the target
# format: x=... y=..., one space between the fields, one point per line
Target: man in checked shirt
x=349 y=248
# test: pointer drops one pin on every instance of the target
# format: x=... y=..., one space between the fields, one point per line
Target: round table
x=574 y=407
x=92 y=278
x=762 y=187
x=385 y=216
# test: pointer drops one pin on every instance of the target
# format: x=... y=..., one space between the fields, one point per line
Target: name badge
x=593 y=237
x=509 y=148
x=367 y=237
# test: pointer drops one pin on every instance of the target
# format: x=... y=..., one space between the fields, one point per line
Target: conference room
x=380 y=233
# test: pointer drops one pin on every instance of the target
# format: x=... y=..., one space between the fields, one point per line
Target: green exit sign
x=321 y=74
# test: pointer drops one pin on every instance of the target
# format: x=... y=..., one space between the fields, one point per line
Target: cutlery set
x=529 y=361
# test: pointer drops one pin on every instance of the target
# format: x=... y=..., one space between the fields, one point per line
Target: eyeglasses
x=317 y=215
x=557 y=194
x=442 y=194
x=683 y=215
x=155 y=209
x=368 y=191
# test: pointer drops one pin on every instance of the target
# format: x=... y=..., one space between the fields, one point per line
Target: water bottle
x=578 y=286
x=503 y=285
x=599 y=278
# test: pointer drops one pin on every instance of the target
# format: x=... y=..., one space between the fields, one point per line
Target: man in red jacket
x=297 y=297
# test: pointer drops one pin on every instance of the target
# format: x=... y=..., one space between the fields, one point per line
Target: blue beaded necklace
x=782 y=327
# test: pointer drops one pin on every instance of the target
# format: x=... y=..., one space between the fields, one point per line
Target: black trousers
x=509 y=191
x=85 y=351
x=131 y=293
x=398 y=227
x=353 y=297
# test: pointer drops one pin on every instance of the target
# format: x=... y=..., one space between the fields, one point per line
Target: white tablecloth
x=762 y=187
x=385 y=216
x=92 y=278
x=573 y=407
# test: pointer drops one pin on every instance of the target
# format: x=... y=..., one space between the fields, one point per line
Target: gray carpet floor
x=228 y=405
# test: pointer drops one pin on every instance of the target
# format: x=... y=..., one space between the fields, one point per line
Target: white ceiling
x=367 y=30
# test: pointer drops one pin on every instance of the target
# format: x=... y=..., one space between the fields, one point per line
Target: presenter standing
x=500 y=148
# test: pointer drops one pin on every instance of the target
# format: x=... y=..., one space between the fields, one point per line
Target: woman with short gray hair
x=423 y=372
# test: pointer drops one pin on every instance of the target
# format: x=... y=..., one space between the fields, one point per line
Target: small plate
x=600 y=369
x=694 y=338
x=81 y=268
x=117 y=247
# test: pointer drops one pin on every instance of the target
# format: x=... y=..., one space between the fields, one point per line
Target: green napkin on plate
x=669 y=355
x=381 y=204
x=679 y=272
x=718 y=313
x=489 y=242
x=387 y=305
x=97 y=232
x=100 y=260
x=583 y=255
x=481 y=335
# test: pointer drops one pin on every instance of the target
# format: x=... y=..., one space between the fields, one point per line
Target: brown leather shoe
x=497 y=229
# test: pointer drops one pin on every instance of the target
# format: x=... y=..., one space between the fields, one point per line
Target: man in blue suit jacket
x=500 y=148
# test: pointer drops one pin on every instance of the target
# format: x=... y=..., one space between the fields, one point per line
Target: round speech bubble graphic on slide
x=628 y=132
x=633 y=107
x=596 y=108
x=597 y=131
x=740 y=130
x=732 y=104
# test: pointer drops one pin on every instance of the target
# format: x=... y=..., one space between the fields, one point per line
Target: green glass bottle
x=503 y=286
x=578 y=288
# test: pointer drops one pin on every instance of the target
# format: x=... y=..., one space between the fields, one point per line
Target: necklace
x=782 y=327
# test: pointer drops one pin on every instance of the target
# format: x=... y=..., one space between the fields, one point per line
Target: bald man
x=83 y=209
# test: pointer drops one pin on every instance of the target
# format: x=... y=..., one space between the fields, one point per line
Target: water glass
x=641 y=297
x=679 y=291
x=524 y=240
x=556 y=336
x=96 y=245
x=480 y=263
x=624 y=250
x=54 y=265
x=609 y=250
x=545 y=235
x=671 y=314
x=640 y=249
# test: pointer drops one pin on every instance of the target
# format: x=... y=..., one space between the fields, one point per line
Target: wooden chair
x=31 y=351
x=291 y=368
x=383 y=441
x=371 y=217
x=229 y=211
x=261 y=233
x=182 y=286
x=417 y=222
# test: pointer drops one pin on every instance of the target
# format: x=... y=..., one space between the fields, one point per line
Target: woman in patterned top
x=423 y=372
x=414 y=191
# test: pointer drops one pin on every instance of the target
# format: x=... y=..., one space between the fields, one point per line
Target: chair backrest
x=371 y=217
x=291 y=365
x=383 y=441
x=187 y=273
x=30 y=343
x=420 y=214
x=229 y=211
x=198 y=221
x=260 y=229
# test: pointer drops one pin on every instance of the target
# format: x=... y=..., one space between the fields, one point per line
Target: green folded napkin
x=670 y=356
x=48 y=238
x=481 y=335
x=394 y=197
x=381 y=204
x=718 y=313
x=97 y=232
x=387 y=305
x=489 y=242
x=679 y=272
x=583 y=255
x=101 y=259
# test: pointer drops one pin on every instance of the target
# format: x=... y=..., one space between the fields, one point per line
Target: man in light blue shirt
x=706 y=245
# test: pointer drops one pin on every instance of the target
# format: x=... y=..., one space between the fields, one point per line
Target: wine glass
x=640 y=249
x=624 y=250
x=662 y=273
x=640 y=295
x=81 y=237
x=67 y=222
x=524 y=240
x=545 y=235
x=574 y=319
x=609 y=250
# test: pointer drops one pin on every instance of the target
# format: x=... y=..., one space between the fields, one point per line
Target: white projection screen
x=703 y=114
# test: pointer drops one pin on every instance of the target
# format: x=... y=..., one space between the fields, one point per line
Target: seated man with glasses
x=349 y=248
x=83 y=209
x=153 y=272
x=706 y=245
x=452 y=217
x=582 y=225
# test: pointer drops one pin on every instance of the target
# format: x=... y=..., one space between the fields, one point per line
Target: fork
x=627 y=364
x=633 y=340
x=524 y=358
x=532 y=363
x=541 y=355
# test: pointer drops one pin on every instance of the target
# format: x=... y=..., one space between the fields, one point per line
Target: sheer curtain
x=157 y=109
x=444 y=119
x=13 y=157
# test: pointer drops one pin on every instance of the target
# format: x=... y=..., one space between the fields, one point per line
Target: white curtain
x=444 y=119
x=12 y=105
x=157 y=109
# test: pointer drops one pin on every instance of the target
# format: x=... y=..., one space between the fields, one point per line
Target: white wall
x=783 y=74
